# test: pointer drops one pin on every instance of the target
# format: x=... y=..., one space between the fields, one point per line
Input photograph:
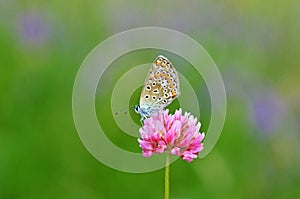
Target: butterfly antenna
x=125 y=110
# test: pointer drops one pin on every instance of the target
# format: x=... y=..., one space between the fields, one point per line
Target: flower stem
x=167 y=177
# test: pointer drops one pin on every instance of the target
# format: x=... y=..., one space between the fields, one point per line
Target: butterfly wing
x=161 y=85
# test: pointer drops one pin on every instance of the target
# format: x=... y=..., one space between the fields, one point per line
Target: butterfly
x=161 y=87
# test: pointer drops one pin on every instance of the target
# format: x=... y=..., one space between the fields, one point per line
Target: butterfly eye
x=148 y=87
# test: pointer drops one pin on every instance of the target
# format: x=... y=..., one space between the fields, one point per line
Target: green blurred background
x=255 y=45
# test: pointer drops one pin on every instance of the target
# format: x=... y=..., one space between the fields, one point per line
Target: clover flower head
x=175 y=134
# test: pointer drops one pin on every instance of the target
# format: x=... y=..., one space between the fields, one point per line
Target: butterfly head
x=137 y=108
x=143 y=111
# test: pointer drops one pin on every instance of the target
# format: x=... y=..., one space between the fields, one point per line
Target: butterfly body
x=161 y=87
x=144 y=111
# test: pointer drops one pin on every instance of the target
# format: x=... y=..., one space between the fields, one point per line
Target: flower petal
x=147 y=153
x=145 y=145
x=176 y=151
x=188 y=156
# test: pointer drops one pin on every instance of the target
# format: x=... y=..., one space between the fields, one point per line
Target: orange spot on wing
x=158 y=62
x=173 y=94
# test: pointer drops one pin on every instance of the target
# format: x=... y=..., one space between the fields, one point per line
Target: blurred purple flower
x=268 y=112
x=34 y=28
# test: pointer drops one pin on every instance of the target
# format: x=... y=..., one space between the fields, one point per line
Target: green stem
x=167 y=177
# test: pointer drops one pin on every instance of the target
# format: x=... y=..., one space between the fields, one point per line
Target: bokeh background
x=255 y=45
